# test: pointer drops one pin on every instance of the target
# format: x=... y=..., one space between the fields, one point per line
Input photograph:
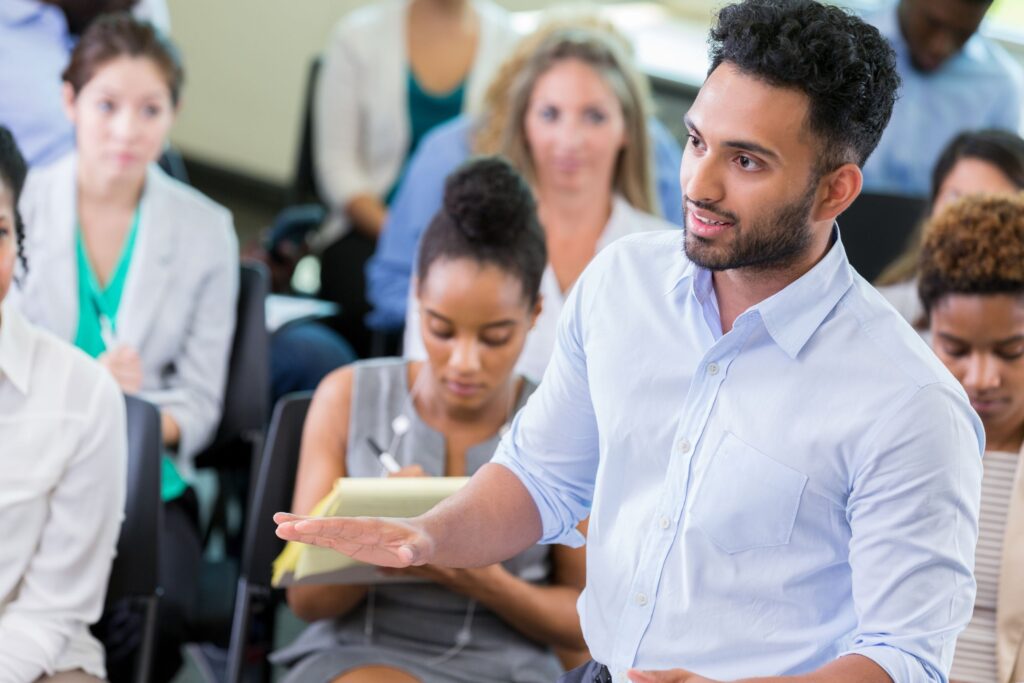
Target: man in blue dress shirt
x=781 y=479
x=953 y=80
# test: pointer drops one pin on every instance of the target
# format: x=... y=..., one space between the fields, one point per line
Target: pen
x=107 y=332
x=387 y=461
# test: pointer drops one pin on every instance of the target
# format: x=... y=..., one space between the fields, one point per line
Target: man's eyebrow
x=745 y=145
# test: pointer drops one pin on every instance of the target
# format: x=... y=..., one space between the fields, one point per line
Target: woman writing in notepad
x=139 y=271
x=480 y=265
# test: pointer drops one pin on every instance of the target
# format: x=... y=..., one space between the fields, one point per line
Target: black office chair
x=877 y=228
x=272 y=493
x=233 y=452
x=133 y=577
x=246 y=394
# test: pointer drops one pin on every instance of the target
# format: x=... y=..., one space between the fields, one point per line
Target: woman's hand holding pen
x=124 y=363
x=409 y=471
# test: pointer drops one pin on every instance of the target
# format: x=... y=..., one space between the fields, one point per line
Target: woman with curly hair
x=972 y=287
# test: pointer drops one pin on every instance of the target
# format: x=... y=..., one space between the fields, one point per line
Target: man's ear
x=836 y=191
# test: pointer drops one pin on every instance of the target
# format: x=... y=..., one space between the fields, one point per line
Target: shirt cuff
x=901 y=666
x=556 y=529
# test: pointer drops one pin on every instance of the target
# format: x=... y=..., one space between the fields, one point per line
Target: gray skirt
x=423 y=643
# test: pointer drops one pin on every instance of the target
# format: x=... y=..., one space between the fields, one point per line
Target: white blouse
x=361 y=125
x=540 y=342
x=63 y=464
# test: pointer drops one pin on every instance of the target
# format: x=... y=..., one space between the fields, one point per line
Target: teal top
x=427 y=110
x=97 y=324
x=97 y=306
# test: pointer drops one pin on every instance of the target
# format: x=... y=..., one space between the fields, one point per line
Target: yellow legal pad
x=299 y=563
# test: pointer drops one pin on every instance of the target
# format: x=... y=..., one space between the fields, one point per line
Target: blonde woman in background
x=390 y=270
x=576 y=127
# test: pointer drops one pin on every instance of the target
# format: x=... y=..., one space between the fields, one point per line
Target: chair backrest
x=247 y=394
x=877 y=228
x=275 y=482
x=304 y=189
x=134 y=573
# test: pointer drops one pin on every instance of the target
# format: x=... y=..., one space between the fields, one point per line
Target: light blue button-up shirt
x=764 y=501
x=979 y=87
x=34 y=49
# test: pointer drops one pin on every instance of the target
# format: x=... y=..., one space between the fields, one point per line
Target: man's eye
x=746 y=163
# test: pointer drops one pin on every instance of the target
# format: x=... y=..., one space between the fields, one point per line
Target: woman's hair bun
x=487 y=201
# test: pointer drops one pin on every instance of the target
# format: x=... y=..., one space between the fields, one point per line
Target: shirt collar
x=15 y=348
x=792 y=315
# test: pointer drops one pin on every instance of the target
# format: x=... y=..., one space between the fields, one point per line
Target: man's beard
x=773 y=242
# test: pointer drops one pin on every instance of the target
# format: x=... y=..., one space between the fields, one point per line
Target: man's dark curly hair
x=12 y=174
x=844 y=65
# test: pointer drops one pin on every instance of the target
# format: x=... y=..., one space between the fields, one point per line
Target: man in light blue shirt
x=34 y=48
x=419 y=198
x=780 y=477
x=953 y=80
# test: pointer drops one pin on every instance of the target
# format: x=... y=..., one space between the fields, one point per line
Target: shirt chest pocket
x=747 y=500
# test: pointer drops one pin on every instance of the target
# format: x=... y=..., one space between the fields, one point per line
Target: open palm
x=375 y=540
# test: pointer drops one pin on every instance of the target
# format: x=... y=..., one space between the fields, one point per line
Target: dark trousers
x=591 y=672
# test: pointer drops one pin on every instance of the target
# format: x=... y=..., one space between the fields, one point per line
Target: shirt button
x=712 y=369
x=664 y=523
x=683 y=446
x=641 y=599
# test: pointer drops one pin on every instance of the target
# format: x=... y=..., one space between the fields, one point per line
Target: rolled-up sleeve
x=552 y=446
x=913 y=512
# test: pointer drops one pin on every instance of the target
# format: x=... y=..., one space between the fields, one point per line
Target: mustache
x=708 y=206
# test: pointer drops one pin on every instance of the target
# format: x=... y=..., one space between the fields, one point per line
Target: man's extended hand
x=671 y=676
x=374 y=540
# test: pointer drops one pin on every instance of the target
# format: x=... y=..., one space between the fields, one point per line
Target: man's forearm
x=491 y=519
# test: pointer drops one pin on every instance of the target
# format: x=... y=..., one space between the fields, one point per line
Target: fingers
x=282 y=517
x=409 y=471
x=387 y=542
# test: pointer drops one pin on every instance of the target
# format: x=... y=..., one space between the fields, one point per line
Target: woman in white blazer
x=971 y=284
x=391 y=72
x=138 y=270
x=62 y=481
